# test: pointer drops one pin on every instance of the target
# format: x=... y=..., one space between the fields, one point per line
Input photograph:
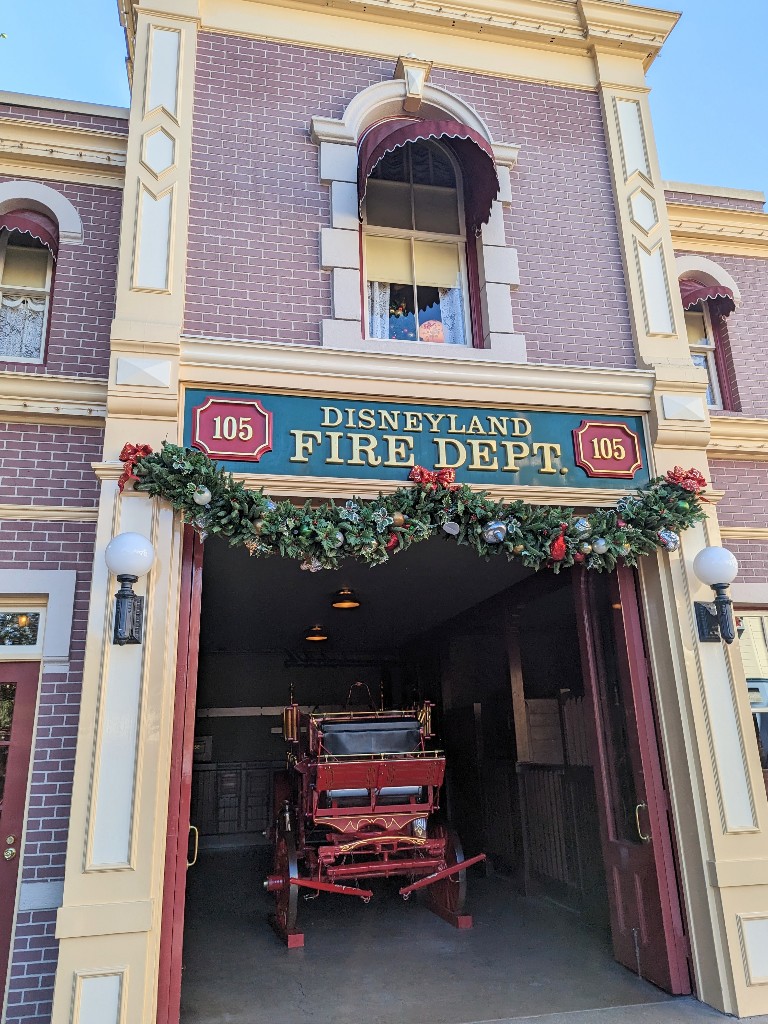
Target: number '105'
x=230 y=427
x=608 y=448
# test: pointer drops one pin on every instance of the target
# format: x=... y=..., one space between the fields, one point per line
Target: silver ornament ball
x=599 y=545
x=495 y=532
x=582 y=527
x=201 y=495
x=669 y=540
x=452 y=528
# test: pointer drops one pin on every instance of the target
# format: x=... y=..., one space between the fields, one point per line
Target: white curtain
x=378 y=309
x=452 y=315
x=21 y=327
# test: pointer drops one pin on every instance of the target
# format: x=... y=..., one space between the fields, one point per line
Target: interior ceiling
x=266 y=605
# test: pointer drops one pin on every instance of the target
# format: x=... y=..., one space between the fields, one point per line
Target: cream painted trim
x=38 y=397
x=35 y=196
x=749 y=596
x=22 y=99
x=48 y=513
x=46 y=146
x=104 y=919
x=706 y=271
x=58 y=587
x=736 y=437
x=715 y=191
x=744 y=532
x=307 y=368
x=52 y=172
x=738 y=232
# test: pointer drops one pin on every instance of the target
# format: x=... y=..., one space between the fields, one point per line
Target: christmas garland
x=322 y=536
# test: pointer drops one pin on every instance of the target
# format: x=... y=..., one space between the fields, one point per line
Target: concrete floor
x=526 y=962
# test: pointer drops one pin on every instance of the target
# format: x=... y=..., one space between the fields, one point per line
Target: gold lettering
x=366 y=418
x=389 y=419
x=350 y=419
x=520 y=427
x=547 y=452
x=442 y=453
x=412 y=422
x=364 y=444
x=398 y=448
x=334 y=459
x=515 y=450
x=434 y=419
x=454 y=429
x=498 y=424
x=326 y=411
x=475 y=426
x=305 y=444
x=481 y=454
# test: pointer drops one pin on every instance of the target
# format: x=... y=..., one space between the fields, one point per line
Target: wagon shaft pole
x=438 y=875
x=345 y=890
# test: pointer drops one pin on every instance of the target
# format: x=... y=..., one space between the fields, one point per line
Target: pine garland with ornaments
x=373 y=530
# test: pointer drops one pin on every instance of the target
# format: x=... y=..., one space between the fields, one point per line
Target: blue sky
x=709 y=99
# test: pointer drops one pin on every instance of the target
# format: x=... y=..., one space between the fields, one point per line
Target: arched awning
x=694 y=292
x=474 y=153
x=38 y=225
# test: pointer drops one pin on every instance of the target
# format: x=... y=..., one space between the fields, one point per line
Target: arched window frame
x=15 y=295
x=462 y=240
x=341 y=242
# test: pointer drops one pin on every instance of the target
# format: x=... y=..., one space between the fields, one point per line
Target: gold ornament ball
x=518 y=549
x=398 y=519
x=585 y=548
x=258 y=526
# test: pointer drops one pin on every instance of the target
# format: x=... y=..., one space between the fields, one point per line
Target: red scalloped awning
x=474 y=153
x=693 y=292
x=29 y=222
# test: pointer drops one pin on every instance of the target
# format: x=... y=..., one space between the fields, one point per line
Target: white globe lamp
x=717 y=568
x=129 y=556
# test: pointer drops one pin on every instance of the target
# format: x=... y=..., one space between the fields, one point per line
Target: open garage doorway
x=552 y=771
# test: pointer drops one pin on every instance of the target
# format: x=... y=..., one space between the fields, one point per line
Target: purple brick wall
x=718 y=202
x=257 y=206
x=745 y=504
x=70 y=119
x=49 y=465
x=48 y=545
x=84 y=287
x=744 y=331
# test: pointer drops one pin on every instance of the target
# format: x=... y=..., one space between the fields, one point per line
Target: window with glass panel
x=701 y=341
x=415 y=248
x=26 y=267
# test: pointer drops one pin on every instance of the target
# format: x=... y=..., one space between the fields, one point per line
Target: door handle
x=9 y=853
x=641 y=807
x=191 y=863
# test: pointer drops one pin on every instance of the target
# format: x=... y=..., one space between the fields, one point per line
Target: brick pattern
x=716 y=202
x=49 y=465
x=745 y=504
x=38 y=545
x=30 y=995
x=744 y=331
x=257 y=206
x=84 y=287
x=70 y=119
x=753 y=559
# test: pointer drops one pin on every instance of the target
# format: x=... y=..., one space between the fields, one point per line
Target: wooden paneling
x=231 y=799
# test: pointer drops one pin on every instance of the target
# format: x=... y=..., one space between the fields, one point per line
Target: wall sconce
x=128 y=556
x=316 y=633
x=717 y=567
x=345 y=598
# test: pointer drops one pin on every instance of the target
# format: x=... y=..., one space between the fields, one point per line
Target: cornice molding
x=46 y=398
x=738 y=438
x=45 y=148
x=48 y=513
x=23 y=99
x=744 y=532
x=736 y=232
x=227 y=363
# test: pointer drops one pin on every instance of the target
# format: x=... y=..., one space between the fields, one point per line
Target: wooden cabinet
x=234 y=798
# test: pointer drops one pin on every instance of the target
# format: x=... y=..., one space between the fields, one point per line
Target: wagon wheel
x=449 y=894
x=286 y=867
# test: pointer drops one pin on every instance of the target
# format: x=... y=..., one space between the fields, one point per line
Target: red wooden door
x=646 y=918
x=180 y=788
x=18 y=695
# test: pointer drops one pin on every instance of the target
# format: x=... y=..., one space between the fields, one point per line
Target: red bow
x=129 y=456
x=558 y=549
x=434 y=478
x=689 y=479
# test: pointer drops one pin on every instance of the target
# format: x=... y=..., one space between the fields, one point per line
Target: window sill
x=504 y=348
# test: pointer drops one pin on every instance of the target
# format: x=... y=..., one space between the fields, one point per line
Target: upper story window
x=706 y=308
x=415 y=255
x=27 y=245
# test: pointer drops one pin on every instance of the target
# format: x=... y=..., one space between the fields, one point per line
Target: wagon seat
x=381 y=737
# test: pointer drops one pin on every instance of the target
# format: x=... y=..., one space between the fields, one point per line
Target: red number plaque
x=607 y=450
x=232 y=429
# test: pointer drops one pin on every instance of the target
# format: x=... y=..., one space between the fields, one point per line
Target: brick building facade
x=247 y=280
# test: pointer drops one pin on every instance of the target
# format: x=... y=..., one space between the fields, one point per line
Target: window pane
x=7 y=700
x=25 y=268
x=388 y=204
x=393 y=166
x=697 y=328
x=21 y=327
x=436 y=209
x=754 y=646
x=388 y=259
x=19 y=629
x=701 y=359
x=431 y=166
x=437 y=264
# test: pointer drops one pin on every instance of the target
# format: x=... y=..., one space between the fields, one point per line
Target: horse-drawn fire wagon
x=359 y=801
